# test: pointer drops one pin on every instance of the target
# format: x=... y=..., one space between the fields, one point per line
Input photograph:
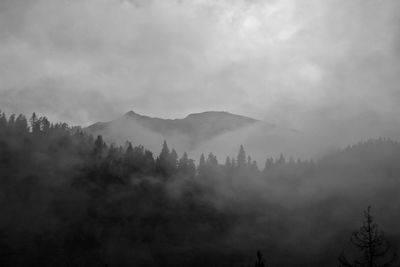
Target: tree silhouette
x=167 y=162
x=35 y=124
x=186 y=166
x=241 y=158
x=212 y=160
x=99 y=146
x=202 y=165
x=21 y=124
x=44 y=124
x=260 y=260
x=371 y=242
x=281 y=160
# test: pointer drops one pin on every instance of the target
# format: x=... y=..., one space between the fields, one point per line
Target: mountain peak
x=130 y=113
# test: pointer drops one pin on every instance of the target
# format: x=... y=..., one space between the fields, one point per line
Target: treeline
x=70 y=199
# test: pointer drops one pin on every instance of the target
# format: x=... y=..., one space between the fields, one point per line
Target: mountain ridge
x=190 y=115
x=192 y=129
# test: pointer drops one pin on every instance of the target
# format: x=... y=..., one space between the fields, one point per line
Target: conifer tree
x=376 y=251
x=186 y=166
x=260 y=260
x=129 y=150
x=212 y=160
x=35 y=124
x=148 y=162
x=202 y=160
x=202 y=165
x=241 y=158
x=281 y=160
x=21 y=124
x=44 y=124
x=11 y=121
x=166 y=162
x=183 y=161
x=99 y=146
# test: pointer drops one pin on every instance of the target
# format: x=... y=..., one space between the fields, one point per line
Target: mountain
x=186 y=133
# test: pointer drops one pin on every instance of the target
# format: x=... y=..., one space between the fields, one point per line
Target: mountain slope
x=187 y=132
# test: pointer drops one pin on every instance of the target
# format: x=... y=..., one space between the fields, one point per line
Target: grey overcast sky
x=289 y=62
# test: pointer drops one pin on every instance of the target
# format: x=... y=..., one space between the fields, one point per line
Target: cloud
x=298 y=64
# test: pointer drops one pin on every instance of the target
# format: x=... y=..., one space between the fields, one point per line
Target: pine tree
x=129 y=150
x=11 y=121
x=281 y=160
x=371 y=242
x=183 y=163
x=21 y=124
x=35 y=124
x=165 y=150
x=260 y=260
x=162 y=160
x=202 y=165
x=186 y=166
x=167 y=161
x=212 y=160
x=228 y=163
x=202 y=160
x=241 y=158
x=99 y=147
x=44 y=124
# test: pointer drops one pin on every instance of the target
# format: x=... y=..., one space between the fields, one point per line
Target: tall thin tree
x=371 y=241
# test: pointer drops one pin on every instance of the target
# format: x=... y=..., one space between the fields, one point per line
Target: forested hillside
x=69 y=199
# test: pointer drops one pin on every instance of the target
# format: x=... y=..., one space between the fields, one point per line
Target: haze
x=294 y=132
x=329 y=69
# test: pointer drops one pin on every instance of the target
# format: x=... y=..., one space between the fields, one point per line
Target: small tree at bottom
x=260 y=260
x=376 y=251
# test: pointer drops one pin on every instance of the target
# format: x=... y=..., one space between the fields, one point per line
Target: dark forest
x=69 y=199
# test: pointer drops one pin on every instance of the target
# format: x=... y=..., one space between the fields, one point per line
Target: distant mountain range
x=187 y=132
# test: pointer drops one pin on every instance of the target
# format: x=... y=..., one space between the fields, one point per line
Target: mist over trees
x=70 y=199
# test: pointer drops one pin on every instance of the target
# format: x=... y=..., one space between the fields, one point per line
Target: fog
x=319 y=76
x=263 y=140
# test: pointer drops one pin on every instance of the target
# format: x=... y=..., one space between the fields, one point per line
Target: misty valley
x=69 y=198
